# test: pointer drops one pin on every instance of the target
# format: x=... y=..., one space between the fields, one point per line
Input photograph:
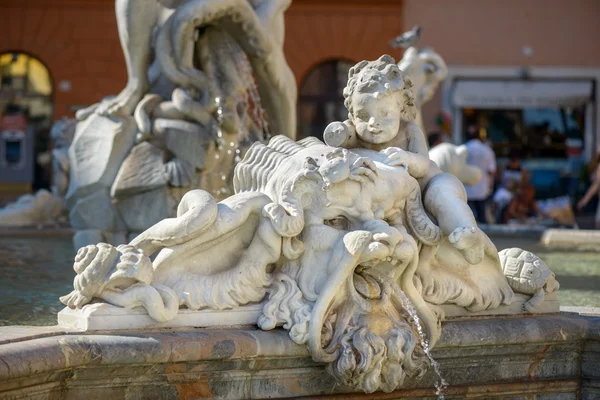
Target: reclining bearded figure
x=329 y=240
x=343 y=248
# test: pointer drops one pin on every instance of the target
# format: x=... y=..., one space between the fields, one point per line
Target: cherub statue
x=381 y=112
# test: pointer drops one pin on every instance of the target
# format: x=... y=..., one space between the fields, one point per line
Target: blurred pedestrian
x=482 y=156
x=594 y=188
x=572 y=171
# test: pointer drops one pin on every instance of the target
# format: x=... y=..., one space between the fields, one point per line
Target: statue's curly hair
x=381 y=76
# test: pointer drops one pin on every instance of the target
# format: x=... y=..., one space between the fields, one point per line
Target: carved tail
x=419 y=222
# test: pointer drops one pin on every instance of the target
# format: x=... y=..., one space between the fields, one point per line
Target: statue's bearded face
x=347 y=222
x=348 y=270
x=345 y=282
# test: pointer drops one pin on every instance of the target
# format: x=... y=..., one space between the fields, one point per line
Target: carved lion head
x=347 y=257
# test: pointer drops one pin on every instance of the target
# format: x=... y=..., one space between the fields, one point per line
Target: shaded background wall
x=491 y=33
x=77 y=41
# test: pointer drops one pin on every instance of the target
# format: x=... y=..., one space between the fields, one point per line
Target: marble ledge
x=552 y=356
x=25 y=351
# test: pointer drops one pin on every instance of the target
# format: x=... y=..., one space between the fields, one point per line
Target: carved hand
x=396 y=157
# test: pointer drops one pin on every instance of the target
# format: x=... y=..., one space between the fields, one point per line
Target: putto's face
x=377 y=120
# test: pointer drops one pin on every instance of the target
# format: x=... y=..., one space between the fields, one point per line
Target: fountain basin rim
x=47 y=349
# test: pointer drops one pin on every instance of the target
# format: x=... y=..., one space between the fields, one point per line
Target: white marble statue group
x=359 y=246
x=355 y=246
x=206 y=78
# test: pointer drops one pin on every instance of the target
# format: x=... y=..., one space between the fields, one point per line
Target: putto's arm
x=341 y=134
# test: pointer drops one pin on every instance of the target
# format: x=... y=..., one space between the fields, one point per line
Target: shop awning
x=521 y=94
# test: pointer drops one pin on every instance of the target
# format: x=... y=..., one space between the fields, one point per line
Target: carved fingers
x=396 y=157
x=363 y=169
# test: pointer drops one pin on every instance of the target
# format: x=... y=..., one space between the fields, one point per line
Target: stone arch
x=78 y=42
x=320 y=98
x=26 y=115
x=320 y=31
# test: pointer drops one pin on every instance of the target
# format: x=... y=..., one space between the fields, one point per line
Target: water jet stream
x=441 y=384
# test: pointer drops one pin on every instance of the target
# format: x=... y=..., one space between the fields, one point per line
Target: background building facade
x=526 y=72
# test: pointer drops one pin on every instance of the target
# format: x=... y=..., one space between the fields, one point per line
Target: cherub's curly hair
x=381 y=76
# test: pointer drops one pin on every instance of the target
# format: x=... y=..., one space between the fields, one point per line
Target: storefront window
x=539 y=133
x=320 y=99
x=26 y=114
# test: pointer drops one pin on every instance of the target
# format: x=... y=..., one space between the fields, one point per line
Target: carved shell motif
x=524 y=271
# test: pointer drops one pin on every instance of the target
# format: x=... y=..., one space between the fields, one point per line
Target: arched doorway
x=320 y=99
x=26 y=113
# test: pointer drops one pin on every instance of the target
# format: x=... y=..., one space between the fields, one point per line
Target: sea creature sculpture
x=528 y=274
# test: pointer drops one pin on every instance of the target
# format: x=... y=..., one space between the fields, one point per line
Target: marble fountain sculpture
x=46 y=208
x=206 y=78
x=358 y=249
x=426 y=70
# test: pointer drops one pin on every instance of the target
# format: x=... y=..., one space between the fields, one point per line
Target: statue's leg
x=535 y=301
x=445 y=198
x=136 y=20
x=270 y=13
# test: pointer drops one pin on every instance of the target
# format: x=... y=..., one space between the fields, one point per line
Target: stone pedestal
x=538 y=357
x=569 y=239
x=105 y=317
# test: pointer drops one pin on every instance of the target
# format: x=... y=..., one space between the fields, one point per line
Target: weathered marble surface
x=425 y=67
x=354 y=250
x=453 y=160
x=103 y=317
x=537 y=357
x=39 y=209
x=206 y=78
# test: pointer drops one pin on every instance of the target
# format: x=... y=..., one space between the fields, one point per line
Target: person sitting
x=513 y=171
x=502 y=198
x=522 y=206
